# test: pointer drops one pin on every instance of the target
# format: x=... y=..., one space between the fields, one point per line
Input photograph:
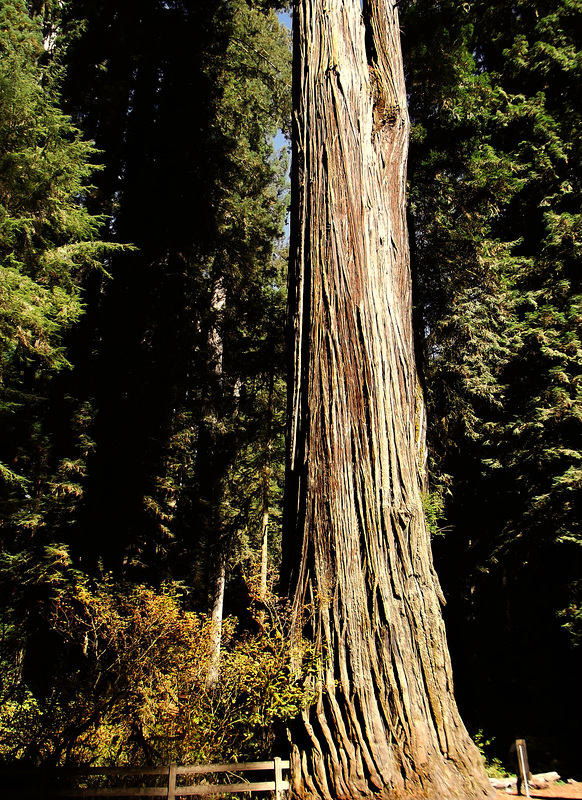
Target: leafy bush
x=129 y=682
x=493 y=766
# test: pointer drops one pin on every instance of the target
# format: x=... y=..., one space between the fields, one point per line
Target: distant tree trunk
x=216 y=353
x=265 y=498
x=362 y=580
x=213 y=671
x=264 y=536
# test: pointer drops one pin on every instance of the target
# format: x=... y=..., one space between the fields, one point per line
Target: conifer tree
x=496 y=214
x=185 y=111
x=48 y=242
x=172 y=453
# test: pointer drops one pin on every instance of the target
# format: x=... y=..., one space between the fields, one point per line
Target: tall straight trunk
x=215 y=638
x=264 y=535
x=361 y=575
x=266 y=481
x=216 y=353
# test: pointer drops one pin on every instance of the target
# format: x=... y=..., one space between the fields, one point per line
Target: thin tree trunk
x=266 y=480
x=213 y=672
x=264 y=538
x=362 y=580
x=216 y=352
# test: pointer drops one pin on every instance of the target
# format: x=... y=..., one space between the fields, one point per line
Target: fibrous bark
x=362 y=580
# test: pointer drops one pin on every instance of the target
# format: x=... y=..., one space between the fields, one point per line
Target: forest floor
x=559 y=791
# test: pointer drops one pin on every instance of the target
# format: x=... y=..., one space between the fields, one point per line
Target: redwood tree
x=384 y=720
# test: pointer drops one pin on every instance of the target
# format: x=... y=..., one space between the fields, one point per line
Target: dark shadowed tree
x=184 y=98
x=384 y=720
x=151 y=457
x=495 y=202
x=49 y=243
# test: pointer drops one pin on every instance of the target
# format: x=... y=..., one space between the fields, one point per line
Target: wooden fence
x=36 y=783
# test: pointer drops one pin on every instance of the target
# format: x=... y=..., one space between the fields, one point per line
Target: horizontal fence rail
x=173 y=780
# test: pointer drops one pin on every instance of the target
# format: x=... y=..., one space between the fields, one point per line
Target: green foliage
x=128 y=686
x=47 y=237
x=571 y=615
x=494 y=158
x=495 y=220
x=493 y=766
x=48 y=244
x=434 y=505
x=162 y=446
x=186 y=340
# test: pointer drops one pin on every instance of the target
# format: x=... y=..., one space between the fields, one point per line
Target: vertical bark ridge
x=384 y=721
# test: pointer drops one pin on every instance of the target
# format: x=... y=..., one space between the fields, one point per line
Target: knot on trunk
x=385 y=109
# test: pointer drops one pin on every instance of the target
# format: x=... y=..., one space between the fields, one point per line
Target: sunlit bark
x=362 y=580
x=216 y=354
x=215 y=638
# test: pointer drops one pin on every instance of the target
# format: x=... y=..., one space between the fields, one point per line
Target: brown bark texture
x=384 y=721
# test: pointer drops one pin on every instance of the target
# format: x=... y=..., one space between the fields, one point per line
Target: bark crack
x=386 y=109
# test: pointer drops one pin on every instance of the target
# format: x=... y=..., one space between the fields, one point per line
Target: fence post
x=522 y=764
x=278 y=778
x=172 y=780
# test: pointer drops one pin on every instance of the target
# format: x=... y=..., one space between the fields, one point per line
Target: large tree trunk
x=364 y=588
